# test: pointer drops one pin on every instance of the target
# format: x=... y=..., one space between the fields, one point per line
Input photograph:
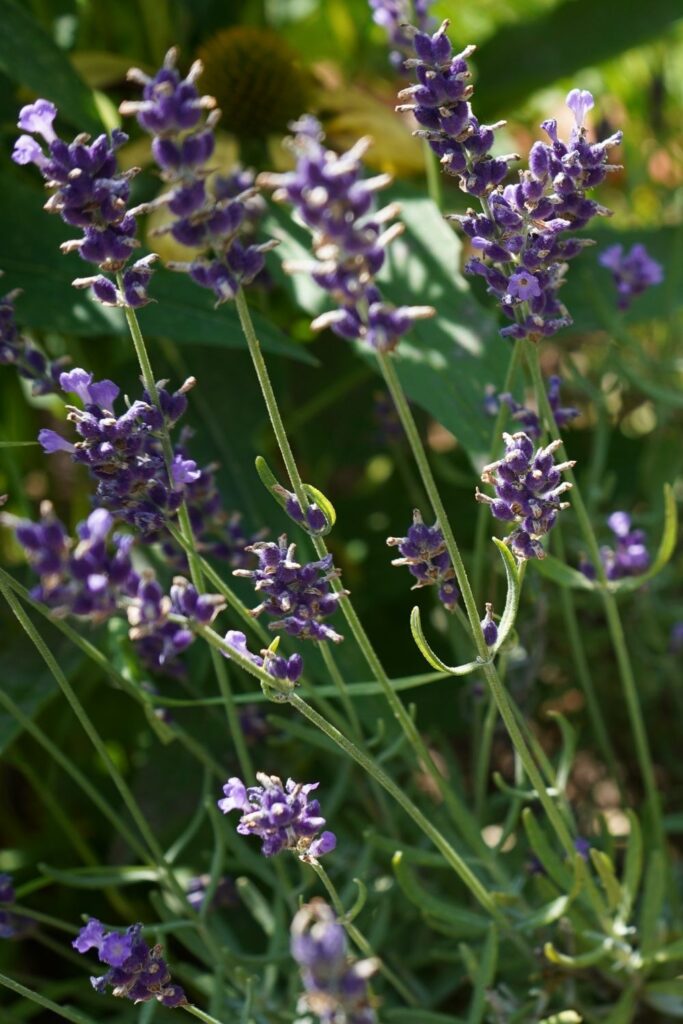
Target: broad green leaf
x=518 y=60
x=182 y=312
x=30 y=57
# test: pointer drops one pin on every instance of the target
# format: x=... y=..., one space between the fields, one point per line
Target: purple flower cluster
x=88 y=576
x=124 y=452
x=633 y=272
x=336 y=203
x=313 y=519
x=15 y=350
x=528 y=491
x=208 y=219
x=88 y=193
x=12 y=926
x=297 y=597
x=423 y=550
x=287 y=669
x=158 y=637
x=517 y=237
x=529 y=420
x=282 y=816
x=629 y=556
x=395 y=17
x=136 y=972
x=336 y=986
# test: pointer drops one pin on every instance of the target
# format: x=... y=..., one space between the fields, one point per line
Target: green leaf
x=666 y=997
x=605 y=869
x=256 y=904
x=428 y=654
x=183 y=312
x=548 y=914
x=538 y=841
x=653 y=901
x=30 y=57
x=573 y=47
x=674 y=951
x=588 y=959
x=514 y=588
x=566 y=759
x=464 y=922
x=633 y=867
x=553 y=569
x=623 y=1010
x=486 y=972
x=99 y=878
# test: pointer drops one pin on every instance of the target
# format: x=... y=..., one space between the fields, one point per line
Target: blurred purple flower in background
x=633 y=272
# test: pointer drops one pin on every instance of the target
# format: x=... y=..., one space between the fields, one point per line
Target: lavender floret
x=136 y=972
x=629 y=556
x=633 y=272
x=15 y=350
x=207 y=217
x=528 y=487
x=336 y=986
x=489 y=627
x=281 y=815
x=336 y=204
x=297 y=597
x=423 y=551
x=395 y=17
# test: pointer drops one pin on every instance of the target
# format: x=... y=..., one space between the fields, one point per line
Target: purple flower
x=225 y=893
x=89 y=194
x=88 y=576
x=423 y=550
x=297 y=597
x=12 y=926
x=397 y=17
x=488 y=627
x=313 y=520
x=281 y=815
x=629 y=557
x=336 y=987
x=210 y=219
x=136 y=972
x=633 y=272
x=336 y=203
x=157 y=636
x=521 y=239
x=15 y=350
x=276 y=665
x=529 y=420
x=528 y=491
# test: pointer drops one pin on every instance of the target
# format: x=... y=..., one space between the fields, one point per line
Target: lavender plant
x=497 y=864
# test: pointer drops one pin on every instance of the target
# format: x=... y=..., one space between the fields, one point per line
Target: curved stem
x=614 y=624
x=75 y=1016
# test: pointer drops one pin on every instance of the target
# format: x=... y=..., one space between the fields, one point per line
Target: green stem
x=62 y=1011
x=185 y=529
x=501 y=697
x=484 y=758
x=460 y=813
x=612 y=615
x=200 y=1015
x=357 y=936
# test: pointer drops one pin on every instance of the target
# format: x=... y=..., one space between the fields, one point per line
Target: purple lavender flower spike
x=281 y=815
x=521 y=241
x=286 y=669
x=630 y=556
x=633 y=272
x=423 y=550
x=297 y=597
x=90 y=194
x=528 y=492
x=209 y=217
x=136 y=972
x=336 y=203
x=335 y=986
